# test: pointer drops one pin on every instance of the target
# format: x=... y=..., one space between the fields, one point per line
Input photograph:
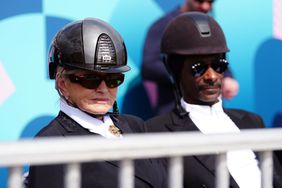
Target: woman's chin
x=98 y=109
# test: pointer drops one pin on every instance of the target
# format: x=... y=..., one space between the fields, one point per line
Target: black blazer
x=199 y=171
x=148 y=173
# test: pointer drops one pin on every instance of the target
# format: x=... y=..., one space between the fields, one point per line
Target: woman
x=87 y=59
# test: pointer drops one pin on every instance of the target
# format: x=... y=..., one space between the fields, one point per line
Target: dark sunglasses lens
x=87 y=82
x=198 y=69
x=220 y=66
x=114 y=80
x=93 y=82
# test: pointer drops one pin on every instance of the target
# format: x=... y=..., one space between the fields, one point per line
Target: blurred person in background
x=88 y=59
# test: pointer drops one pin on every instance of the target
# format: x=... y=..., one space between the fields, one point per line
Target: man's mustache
x=210 y=85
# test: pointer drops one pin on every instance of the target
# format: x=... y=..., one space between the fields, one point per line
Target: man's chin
x=211 y=99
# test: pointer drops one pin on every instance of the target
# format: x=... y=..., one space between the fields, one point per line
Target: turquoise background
x=27 y=27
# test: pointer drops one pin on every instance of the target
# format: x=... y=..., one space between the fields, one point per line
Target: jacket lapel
x=241 y=120
x=186 y=124
x=237 y=117
x=121 y=124
x=71 y=127
x=179 y=124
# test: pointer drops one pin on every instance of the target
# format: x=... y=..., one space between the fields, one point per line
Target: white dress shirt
x=241 y=164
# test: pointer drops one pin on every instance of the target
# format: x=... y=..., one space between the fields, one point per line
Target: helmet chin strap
x=115 y=110
x=176 y=90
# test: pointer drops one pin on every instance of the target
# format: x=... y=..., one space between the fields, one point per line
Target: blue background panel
x=10 y=8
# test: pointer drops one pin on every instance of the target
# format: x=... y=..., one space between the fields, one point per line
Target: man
x=194 y=48
x=155 y=76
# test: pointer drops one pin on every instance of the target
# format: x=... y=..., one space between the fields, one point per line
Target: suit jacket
x=148 y=173
x=199 y=171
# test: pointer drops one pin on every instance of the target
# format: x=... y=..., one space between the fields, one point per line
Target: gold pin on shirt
x=114 y=130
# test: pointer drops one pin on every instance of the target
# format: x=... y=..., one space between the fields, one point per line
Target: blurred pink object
x=277 y=19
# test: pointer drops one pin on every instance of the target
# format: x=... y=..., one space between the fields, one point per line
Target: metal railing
x=139 y=146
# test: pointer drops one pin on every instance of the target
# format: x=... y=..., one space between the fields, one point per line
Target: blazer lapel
x=236 y=118
x=121 y=124
x=186 y=124
x=179 y=124
x=72 y=128
x=239 y=119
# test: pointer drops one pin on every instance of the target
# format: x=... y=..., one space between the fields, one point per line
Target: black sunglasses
x=219 y=66
x=202 y=1
x=93 y=81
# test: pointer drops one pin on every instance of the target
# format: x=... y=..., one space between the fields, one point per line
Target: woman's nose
x=102 y=87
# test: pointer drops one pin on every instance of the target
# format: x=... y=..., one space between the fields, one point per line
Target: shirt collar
x=215 y=109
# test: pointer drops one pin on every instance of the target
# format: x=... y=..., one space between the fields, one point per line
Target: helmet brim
x=101 y=69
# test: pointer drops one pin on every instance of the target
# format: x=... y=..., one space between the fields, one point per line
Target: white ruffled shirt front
x=94 y=125
x=241 y=164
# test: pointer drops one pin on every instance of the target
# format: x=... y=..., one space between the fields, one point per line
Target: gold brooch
x=114 y=130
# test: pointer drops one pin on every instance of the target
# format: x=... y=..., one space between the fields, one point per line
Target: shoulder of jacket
x=240 y=112
x=51 y=129
x=158 y=123
x=129 y=117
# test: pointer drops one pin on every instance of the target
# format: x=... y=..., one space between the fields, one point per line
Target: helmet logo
x=106 y=58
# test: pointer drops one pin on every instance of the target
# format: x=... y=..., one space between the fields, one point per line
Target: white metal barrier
x=174 y=145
